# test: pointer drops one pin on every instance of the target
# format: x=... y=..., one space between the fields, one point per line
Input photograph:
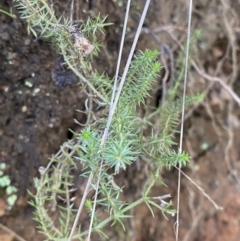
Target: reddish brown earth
x=35 y=120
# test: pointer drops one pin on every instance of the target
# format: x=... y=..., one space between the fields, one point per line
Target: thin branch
x=201 y=190
x=120 y=52
x=216 y=79
x=87 y=188
x=71 y=11
x=11 y=232
x=95 y=202
x=183 y=108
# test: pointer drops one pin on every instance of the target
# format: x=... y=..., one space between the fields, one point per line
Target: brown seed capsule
x=82 y=44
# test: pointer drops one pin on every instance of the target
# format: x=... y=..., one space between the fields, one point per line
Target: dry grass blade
x=183 y=109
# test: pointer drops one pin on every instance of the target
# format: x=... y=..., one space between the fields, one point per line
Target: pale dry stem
x=202 y=191
x=11 y=232
x=183 y=112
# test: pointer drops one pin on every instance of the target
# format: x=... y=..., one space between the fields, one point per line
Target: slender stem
x=81 y=206
x=84 y=79
x=11 y=232
x=182 y=117
x=107 y=220
x=94 y=203
x=7 y=13
x=72 y=11
x=120 y=51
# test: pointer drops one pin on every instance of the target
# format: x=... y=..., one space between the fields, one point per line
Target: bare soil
x=36 y=115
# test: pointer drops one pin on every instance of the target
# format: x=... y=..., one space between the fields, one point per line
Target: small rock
x=24 y=109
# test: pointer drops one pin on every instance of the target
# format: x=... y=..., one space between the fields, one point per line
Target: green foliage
x=42 y=21
x=119 y=153
x=10 y=14
x=92 y=26
x=143 y=72
x=55 y=184
x=131 y=136
x=10 y=190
